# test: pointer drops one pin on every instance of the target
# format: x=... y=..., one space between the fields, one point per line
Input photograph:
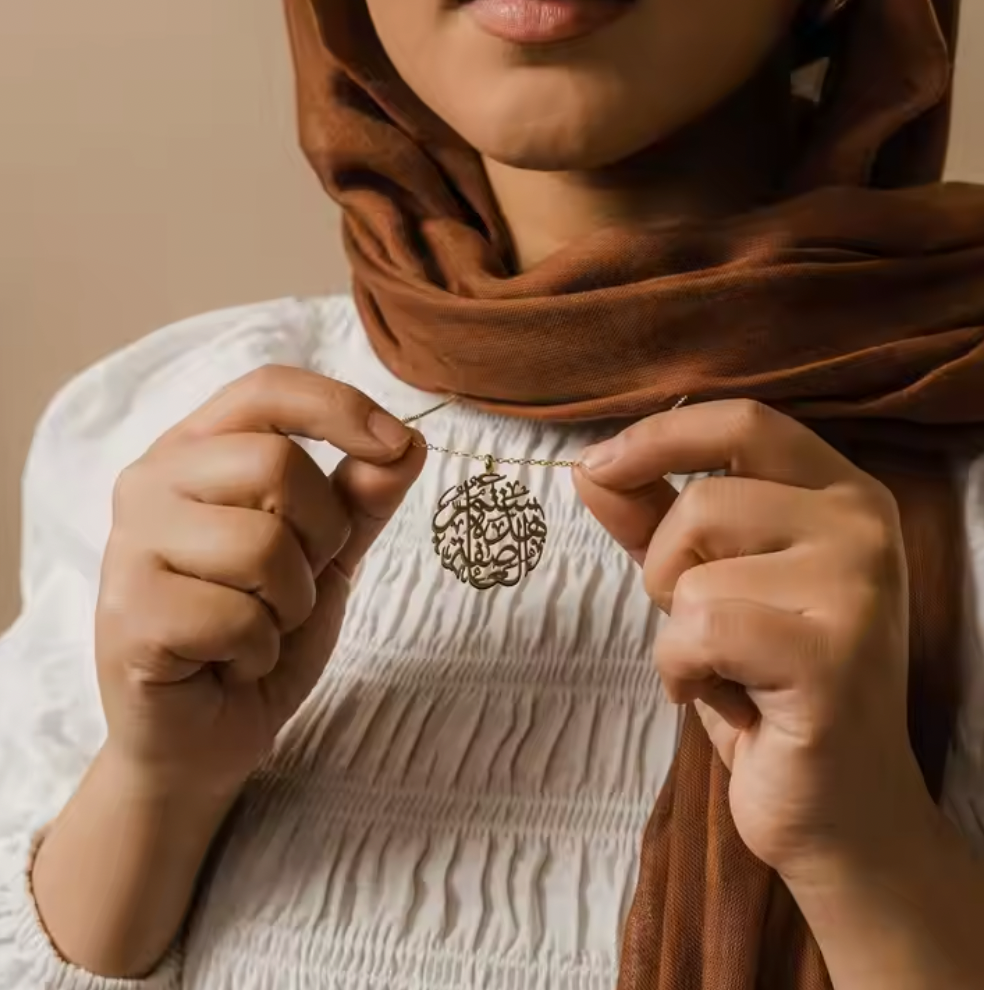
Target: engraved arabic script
x=489 y=531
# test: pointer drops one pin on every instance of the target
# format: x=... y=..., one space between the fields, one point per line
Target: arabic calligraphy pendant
x=489 y=531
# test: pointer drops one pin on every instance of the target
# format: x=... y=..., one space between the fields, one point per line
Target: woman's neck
x=728 y=162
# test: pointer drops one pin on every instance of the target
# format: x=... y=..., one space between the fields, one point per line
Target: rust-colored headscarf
x=856 y=302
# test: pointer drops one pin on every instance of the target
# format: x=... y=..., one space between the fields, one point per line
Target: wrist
x=899 y=845
x=872 y=820
x=164 y=786
x=154 y=811
x=125 y=832
x=904 y=916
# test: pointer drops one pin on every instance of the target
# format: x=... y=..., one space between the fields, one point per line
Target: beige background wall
x=148 y=171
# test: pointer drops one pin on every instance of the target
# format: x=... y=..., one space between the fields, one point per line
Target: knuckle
x=127 y=632
x=669 y=661
x=128 y=488
x=254 y=637
x=749 y=418
x=869 y=523
x=685 y=648
x=279 y=574
x=346 y=393
x=111 y=614
x=878 y=537
x=268 y=547
x=251 y=622
x=699 y=503
x=673 y=684
x=690 y=591
x=122 y=608
x=657 y=590
x=658 y=584
x=883 y=501
x=270 y=457
x=708 y=628
x=695 y=500
x=868 y=496
x=261 y=380
x=348 y=398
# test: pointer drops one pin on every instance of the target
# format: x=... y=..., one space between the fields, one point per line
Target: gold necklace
x=489 y=531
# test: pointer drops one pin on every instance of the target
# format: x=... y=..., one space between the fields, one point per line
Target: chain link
x=489 y=459
x=450 y=400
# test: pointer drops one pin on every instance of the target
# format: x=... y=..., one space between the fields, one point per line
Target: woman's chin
x=550 y=121
x=540 y=157
x=552 y=145
x=561 y=153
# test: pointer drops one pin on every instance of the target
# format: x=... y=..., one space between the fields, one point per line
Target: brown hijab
x=856 y=302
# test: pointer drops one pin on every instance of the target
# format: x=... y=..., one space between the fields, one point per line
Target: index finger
x=300 y=403
x=741 y=437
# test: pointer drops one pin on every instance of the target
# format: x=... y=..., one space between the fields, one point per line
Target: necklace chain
x=450 y=400
x=489 y=459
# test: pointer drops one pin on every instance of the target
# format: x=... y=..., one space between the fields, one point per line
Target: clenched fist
x=785 y=581
x=228 y=567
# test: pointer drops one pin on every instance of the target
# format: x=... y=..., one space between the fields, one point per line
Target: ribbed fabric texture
x=461 y=802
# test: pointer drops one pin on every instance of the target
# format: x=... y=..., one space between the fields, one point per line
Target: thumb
x=372 y=493
x=630 y=517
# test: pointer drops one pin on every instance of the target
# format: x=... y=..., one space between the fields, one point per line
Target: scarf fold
x=855 y=302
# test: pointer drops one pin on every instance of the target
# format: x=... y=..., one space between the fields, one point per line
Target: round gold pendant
x=489 y=531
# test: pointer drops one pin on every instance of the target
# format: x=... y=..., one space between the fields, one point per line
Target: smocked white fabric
x=460 y=803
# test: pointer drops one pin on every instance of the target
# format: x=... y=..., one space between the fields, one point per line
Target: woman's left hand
x=786 y=587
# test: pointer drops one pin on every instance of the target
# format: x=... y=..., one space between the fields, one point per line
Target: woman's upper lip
x=540 y=22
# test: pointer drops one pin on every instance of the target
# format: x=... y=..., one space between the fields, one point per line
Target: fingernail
x=388 y=430
x=600 y=455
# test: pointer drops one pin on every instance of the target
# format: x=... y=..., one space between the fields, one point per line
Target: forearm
x=908 y=918
x=116 y=872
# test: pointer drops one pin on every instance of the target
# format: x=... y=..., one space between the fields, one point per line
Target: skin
x=587 y=104
x=786 y=587
x=673 y=110
x=223 y=591
x=227 y=569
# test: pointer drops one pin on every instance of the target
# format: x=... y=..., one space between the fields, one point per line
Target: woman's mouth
x=541 y=22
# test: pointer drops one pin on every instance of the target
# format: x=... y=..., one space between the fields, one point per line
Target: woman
x=559 y=212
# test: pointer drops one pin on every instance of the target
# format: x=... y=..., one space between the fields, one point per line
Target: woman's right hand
x=228 y=568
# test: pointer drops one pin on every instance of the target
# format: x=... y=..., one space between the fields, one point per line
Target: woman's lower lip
x=540 y=22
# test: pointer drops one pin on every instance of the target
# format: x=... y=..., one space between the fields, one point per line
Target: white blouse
x=460 y=802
